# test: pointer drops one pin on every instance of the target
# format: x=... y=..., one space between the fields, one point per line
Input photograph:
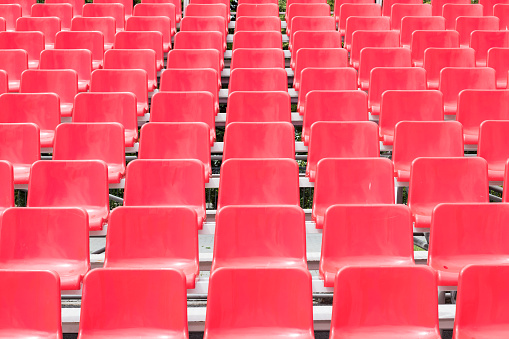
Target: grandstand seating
x=10 y=13
x=261 y=9
x=422 y=40
x=368 y=38
x=31 y=42
x=200 y=40
x=399 y=11
x=196 y=58
x=501 y=11
x=411 y=24
x=176 y=3
x=258 y=23
x=258 y=79
x=372 y=57
x=79 y=60
x=150 y=23
x=128 y=5
x=452 y=11
x=310 y=23
x=435 y=59
x=7 y=187
x=217 y=9
x=208 y=2
x=364 y=23
x=256 y=106
x=204 y=23
x=48 y=26
x=157 y=9
x=305 y=9
x=105 y=25
x=339 y=3
x=466 y=25
x=142 y=40
x=257 y=58
x=20 y=152
x=483 y=41
x=310 y=39
x=144 y=59
x=113 y=10
x=350 y=10
x=387 y=6
x=492 y=136
x=261 y=39
x=14 y=62
x=318 y=57
x=77 y=5
x=93 y=41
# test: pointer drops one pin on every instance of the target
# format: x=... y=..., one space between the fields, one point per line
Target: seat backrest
x=370 y=38
x=199 y=40
x=260 y=23
x=63 y=82
x=318 y=57
x=356 y=9
x=77 y=5
x=258 y=79
x=79 y=60
x=261 y=39
x=15 y=61
x=31 y=42
x=437 y=5
x=423 y=39
x=141 y=40
x=49 y=26
x=25 y=5
x=310 y=39
x=452 y=11
x=195 y=58
x=387 y=5
x=20 y=143
x=305 y=9
x=492 y=137
x=501 y=11
x=10 y=12
x=205 y=23
x=417 y=23
x=217 y=9
x=208 y=2
x=155 y=9
x=435 y=59
x=483 y=41
x=105 y=25
x=121 y=80
x=339 y=3
x=468 y=24
x=176 y=3
x=93 y=41
x=99 y=10
x=150 y=23
x=312 y=23
x=262 y=9
x=255 y=106
x=489 y=6
x=257 y=58
x=144 y=59
x=128 y=5
x=399 y=11
x=497 y=59
x=7 y=187
x=372 y=57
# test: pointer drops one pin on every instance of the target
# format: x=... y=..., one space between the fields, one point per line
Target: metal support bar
x=116 y=199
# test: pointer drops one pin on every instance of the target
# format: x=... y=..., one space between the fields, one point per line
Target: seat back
x=451 y=12
x=258 y=79
x=205 y=23
x=195 y=58
x=79 y=60
x=105 y=25
x=14 y=62
x=312 y=23
x=255 y=106
x=31 y=42
x=417 y=23
x=199 y=40
x=25 y=5
x=372 y=57
x=399 y=11
x=370 y=38
x=435 y=59
x=7 y=187
x=99 y=10
x=20 y=143
x=141 y=40
x=260 y=23
x=318 y=57
x=501 y=11
x=10 y=12
x=93 y=41
x=483 y=41
x=305 y=9
x=262 y=39
x=128 y=5
x=257 y=58
x=387 y=6
x=156 y=9
x=437 y=5
x=77 y=5
x=347 y=10
x=176 y=3
x=422 y=40
x=144 y=59
x=150 y=23
x=497 y=59
x=466 y=25
x=261 y=9
x=49 y=26
x=217 y=9
x=492 y=137
x=310 y=39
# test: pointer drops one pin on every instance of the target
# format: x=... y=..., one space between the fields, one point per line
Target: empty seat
x=259 y=182
x=48 y=26
x=466 y=25
x=142 y=40
x=77 y=5
x=261 y=9
x=356 y=9
x=372 y=57
x=492 y=141
x=452 y=11
x=435 y=59
x=14 y=62
x=209 y=2
x=7 y=187
x=79 y=60
x=99 y=10
x=497 y=59
x=105 y=311
x=305 y=9
x=59 y=242
x=204 y=23
x=307 y=39
x=257 y=58
x=166 y=183
x=157 y=9
x=150 y=23
x=259 y=23
x=93 y=41
x=128 y=5
x=153 y=238
x=483 y=41
x=55 y=183
x=40 y=315
x=339 y=3
x=435 y=181
x=346 y=227
x=318 y=57
x=262 y=39
x=258 y=79
x=31 y=42
x=256 y=106
x=422 y=40
x=364 y=23
x=105 y=25
x=489 y=6
x=208 y=10
x=21 y=147
x=411 y=24
x=289 y=2
x=399 y=11
x=376 y=287
x=351 y=181
x=25 y=5
x=437 y=5
x=196 y=58
x=144 y=59
x=501 y=11
x=176 y=3
x=387 y=5
x=367 y=38
x=200 y=40
x=10 y=12
x=311 y=23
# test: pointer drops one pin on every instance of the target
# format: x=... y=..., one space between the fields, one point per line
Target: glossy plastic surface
x=262 y=39
x=21 y=147
x=256 y=106
x=10 y=12
x=196 y=58
x=369 y=38
x=356 y=9
x=144 y=59
x=437 y=5
x=150 y=23
x=253 y=9
x=217 y=9
x=309 y=39
x=77 y=5
x=142 y=40
x=157 y=9
x=364 y=23
x=200 y=40
x=399 y=11
x=4 y=83
x=47 y=26
x=260 y=23
x=258 y=79
x=466 y=25
x=372 y=57
x=176 y=3
x=105 y=25
x=31 y=42
x=489 y=6
x=14 y=62
x=497 y=58
x=422 y=40
x=113 y=10
x=387 y=5
x=128 y=5
x=492 y=138
x=7 y=187
x=209 y=2
x=257 y=58
x=93 y=41
x=204 y=23
x=79 y=60
x=483 y=41
x=501 y=11
x=429 y=23
x=338 y=3
x=25 y=5
x=305 y=9
x=435 y=59
x=318 y=57
x=452 y=11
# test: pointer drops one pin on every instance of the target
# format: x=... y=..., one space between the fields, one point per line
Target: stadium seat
x=338 y=3
x=157 y=9
x=77 y=5
x=153 y=238
x=255 y=106
x=196 y=58
x=144 y=59
x=14 y=62
x=492 y=140
x=176 y=3
x=417 y=139
x=31 y=305
x=21 y=147
x=347 y=10
x=166 y=183
x=150 y=23
x=258 y=23
x=184 y=107
x=55 y=184
x=10 y=12
x=204 y=23
x=311 y=23
x=399 y=11
x=62 y=11
x=209 y=2
x=368 y=38
x=182 y=140
x=270 y=236
x=437 y=5
x=58 y=242
x=483 y=41
x=346 y=105
x=435 y=59
x=411 y=24
x=435 y=181
x=128 y=5
x=100 y=10
x=257 y=58
x=289 y=2
x=31 y=42
x=422 y=40
x=110 y=309
x=497 y=59
x=105 y=25
x=123 y=80
x=25 y=5
x=466 y=234
x=452 y=11
x=351 y=181
x=258 y=79
x=142 y=40
x=368 y=315
x=79 y=60
x=489 y=6
x=108 y=107
x=42 y=109
x=393 y=78
x=305 y=9
x=262 y=39
x=501 y=11
x=364 y=23
x=318 y=57
x=217 y=9
x=93 y=41
x=307 y=39
x=48 y=26
x=372 y=57
x=200 y=40
x=467 y=25
x=259 y=182
x=346 y=228
x=252 y=9
x=387 y=5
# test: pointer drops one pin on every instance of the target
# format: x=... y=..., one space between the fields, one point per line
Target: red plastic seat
x=31 y=42
x=364 y=23
x=258 y=79
x=422 y=40
x=368 y=38
x=457 y=239
x=204 y=23
x=7 y=187
x=21 y=152
x=367 y=316
x=77 y=5
x=259 y=303
x=497 y=59
x=209 y=2
x=144 y=59
x=110 y=309
x=501 y=11
x=257 y=58
x=262 y=9
x=93 y=41
x=48 y=26
x=351 y=181
x=346 y=227
x=176 y=3
x=334 y=79
x=345 y=139
x=4 y=83
x=435 y=59
x=289 y=2
x=153 y=23
x=31 y=305
x=489 y=6
x=100 y=10
x=184 y=107
x=452 y=11
x=483 y=41
x=258 y=23
x=262 y=39
x=435 y=181
x=10 y=12
x=182 y=140
x=217 y=9
x=123 y=80
x=55 y=183
x=417 y=139
x=61 y=11
x=311 y=23
x=150 y=238
x=318 y=57
x=25 y=5
x=309 y=39
x=436 y=24
x=399 y=11
x=142 y=40
x=108 y=107
x=166 y=183
x=437 y=5
x=128 y=5
x=372 y=57
x=14 y=62
x=157 y=9
x=305 y=9
x=105 y=25
x=271 y=236
x=259 y=182
x=200 y=40
x=338 y=3
x=79 y=60
x=347 y=10
x=59 y=242
x=196 y=58
x=347 y=105
x=467 y=25
x=387 y=6
x=257 y=106
x=492 y=140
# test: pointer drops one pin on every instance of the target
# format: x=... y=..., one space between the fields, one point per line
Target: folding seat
x=150 y=23
x=256 y=106
x=182 y=140
x=416 y=139
x=53 y=239
x=200 y=40
x=30 y=304
x=42 y=109
x=176 y=3
x=387 y=6
x=252 y=9
x=195 y=58
x=501 y=11
x=338 y=3
x=48 y=26
x=484 y=317
x=372 y=57
x=435 y=59
x=166 y=183
x=399 y=11
x=466 y=25
x=270 y=236
x=364 y=23
x=497 y=59
x=208 y=10
x=209 y=2
x=305 y=10
x=258 y=79
x=61 y=11
x=21 y=147
x=55 y=183
x=483 y=41
x=422 y=40
x=110 y=309
x=307 y=39
x=128 y=5
x=492 y=140
x=452 y=11
x=257 y=58
x=262 y=39
x=108 y=107
x=346 y=227
x=79 y=60
x=93 y=41
x=258 y=23
x=153 y=238
x=31 y=42
x=100 y=10
x=10 y=12
x=290 y=2
x=123 y=80
x=411 y=24
x=454 y=80
x=77 y=5
x=376 y=288
x=157 y=9
x=259 y=182
x=257 y=302
x=467 y=234
x=204 y=23
x=351 y=181
x=319 y=58
x=13 y=62
x=437 y=5
x=311 y=23
x=105 y=25
x=347 y=10
x=142 y=40
x=435 y=181
x=370 y=38
x=144 y=59
x=25 y=5
x=345 y=139
x=7 y=187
